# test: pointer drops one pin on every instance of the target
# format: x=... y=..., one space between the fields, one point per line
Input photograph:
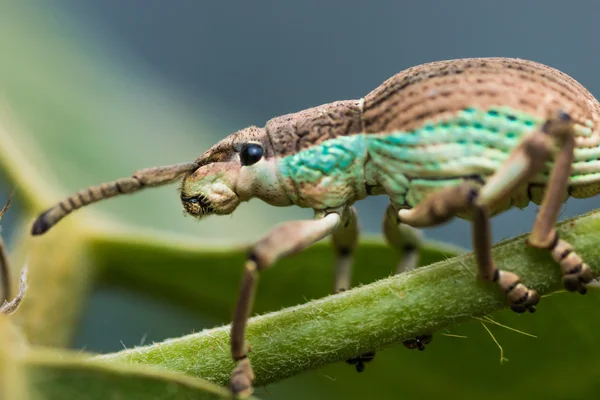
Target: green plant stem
x=373 y=316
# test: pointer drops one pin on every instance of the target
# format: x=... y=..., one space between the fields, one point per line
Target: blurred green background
x=81 y=77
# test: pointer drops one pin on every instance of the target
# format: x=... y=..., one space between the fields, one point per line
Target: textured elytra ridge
x=410 y=164
x=439 y=89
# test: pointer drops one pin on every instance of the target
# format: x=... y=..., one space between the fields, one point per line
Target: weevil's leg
x=283 y=240
x=403 y=238
x=521 y=298
x=529 y=157
x=359 y=362
x=139 y=180
x=576 y=273
x=440 y=206
x=419 y=342
x=344 y=240
x=406 y=240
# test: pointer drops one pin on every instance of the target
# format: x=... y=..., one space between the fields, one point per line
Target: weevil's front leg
x=576 y=273
x=283 y=240
x=344 y=239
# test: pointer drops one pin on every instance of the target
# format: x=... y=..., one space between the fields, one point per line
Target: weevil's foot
x=521 y=298
x=242 y=378
x=576 y=273
x=418 y=342
x=576 y=278
x=359 y=362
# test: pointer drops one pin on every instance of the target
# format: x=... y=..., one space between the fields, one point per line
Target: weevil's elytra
x=468 y=138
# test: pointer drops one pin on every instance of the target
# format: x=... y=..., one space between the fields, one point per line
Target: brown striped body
x=432 y=91
x=435 y=91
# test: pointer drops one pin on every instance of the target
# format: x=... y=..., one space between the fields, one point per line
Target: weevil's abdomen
x=473 y=144
x=450 y=119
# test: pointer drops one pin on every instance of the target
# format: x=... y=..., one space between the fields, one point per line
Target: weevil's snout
x=210 y=190
x=198 y=205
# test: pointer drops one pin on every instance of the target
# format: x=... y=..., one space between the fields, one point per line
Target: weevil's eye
x=251 y=153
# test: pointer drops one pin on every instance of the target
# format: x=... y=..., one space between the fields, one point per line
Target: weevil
x=468 y=138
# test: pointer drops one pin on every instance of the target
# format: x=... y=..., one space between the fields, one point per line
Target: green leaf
x=44 y=374
x=61 y=375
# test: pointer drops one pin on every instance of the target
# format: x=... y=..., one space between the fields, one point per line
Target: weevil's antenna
x=156 y=176
x=4 y=272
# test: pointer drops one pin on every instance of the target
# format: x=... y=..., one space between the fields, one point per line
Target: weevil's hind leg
x=141 y=179
x=528 y=158
x=344 y=240
x=521 y=298
x=403 y=238
x=284 y=239
x=576 y=273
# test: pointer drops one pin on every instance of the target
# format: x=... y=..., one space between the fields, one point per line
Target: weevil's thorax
x=321 y=154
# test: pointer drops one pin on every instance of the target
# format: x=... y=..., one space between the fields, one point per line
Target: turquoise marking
x=333 y=156
x=327 y=175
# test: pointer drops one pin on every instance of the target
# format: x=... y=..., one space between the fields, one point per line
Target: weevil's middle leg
x=403 y=238
x=344 y=240
x=283 y=240
x=406 y=240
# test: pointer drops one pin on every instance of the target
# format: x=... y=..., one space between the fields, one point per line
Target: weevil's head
x=236 y=169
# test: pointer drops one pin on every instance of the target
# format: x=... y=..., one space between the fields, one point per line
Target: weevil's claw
x=520 y=298
x=523 y=299
x=242 y=378
x=418 y=342
x=576 y=279
x=359 y=362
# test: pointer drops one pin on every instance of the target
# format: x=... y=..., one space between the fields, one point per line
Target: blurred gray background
x=266 y=58
x=261 y=59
